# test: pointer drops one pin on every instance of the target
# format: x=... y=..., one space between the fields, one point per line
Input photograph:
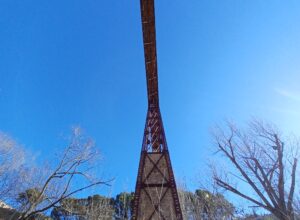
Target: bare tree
x=92 y=208
x=263 y=161
x=100 y=208
x=204 y=205
x=189 y=204
x=297 y=206
x=54 y=185
x=11 y=161
x=11 y=153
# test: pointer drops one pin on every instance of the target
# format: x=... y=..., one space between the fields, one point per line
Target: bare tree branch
x=75 y=161
x=259 y=157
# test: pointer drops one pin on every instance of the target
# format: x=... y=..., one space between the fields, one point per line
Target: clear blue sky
x=72 y=62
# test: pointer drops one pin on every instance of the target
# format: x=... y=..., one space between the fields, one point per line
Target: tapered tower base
x=156 y=195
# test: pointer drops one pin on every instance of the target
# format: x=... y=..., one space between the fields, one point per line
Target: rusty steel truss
x=156 y=195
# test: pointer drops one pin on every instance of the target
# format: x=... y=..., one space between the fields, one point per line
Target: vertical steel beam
x=155 y=172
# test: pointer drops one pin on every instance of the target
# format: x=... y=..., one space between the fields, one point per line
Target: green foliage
x=95 y=207
x=215 y=204
x=92 y=208
x=30 y=196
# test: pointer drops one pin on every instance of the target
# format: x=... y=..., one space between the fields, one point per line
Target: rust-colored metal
x=156 y=195
x=149 y=36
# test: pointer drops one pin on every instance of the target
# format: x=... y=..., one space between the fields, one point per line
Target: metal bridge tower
x=155 y=193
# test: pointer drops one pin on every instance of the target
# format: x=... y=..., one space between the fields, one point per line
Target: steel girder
x=156 y=194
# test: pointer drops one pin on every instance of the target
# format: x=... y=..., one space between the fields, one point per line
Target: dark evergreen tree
x=123 y=206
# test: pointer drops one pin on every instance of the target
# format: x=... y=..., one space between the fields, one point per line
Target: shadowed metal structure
x=155 y=194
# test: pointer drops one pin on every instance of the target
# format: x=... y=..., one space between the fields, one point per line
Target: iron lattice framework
x=155 y=194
